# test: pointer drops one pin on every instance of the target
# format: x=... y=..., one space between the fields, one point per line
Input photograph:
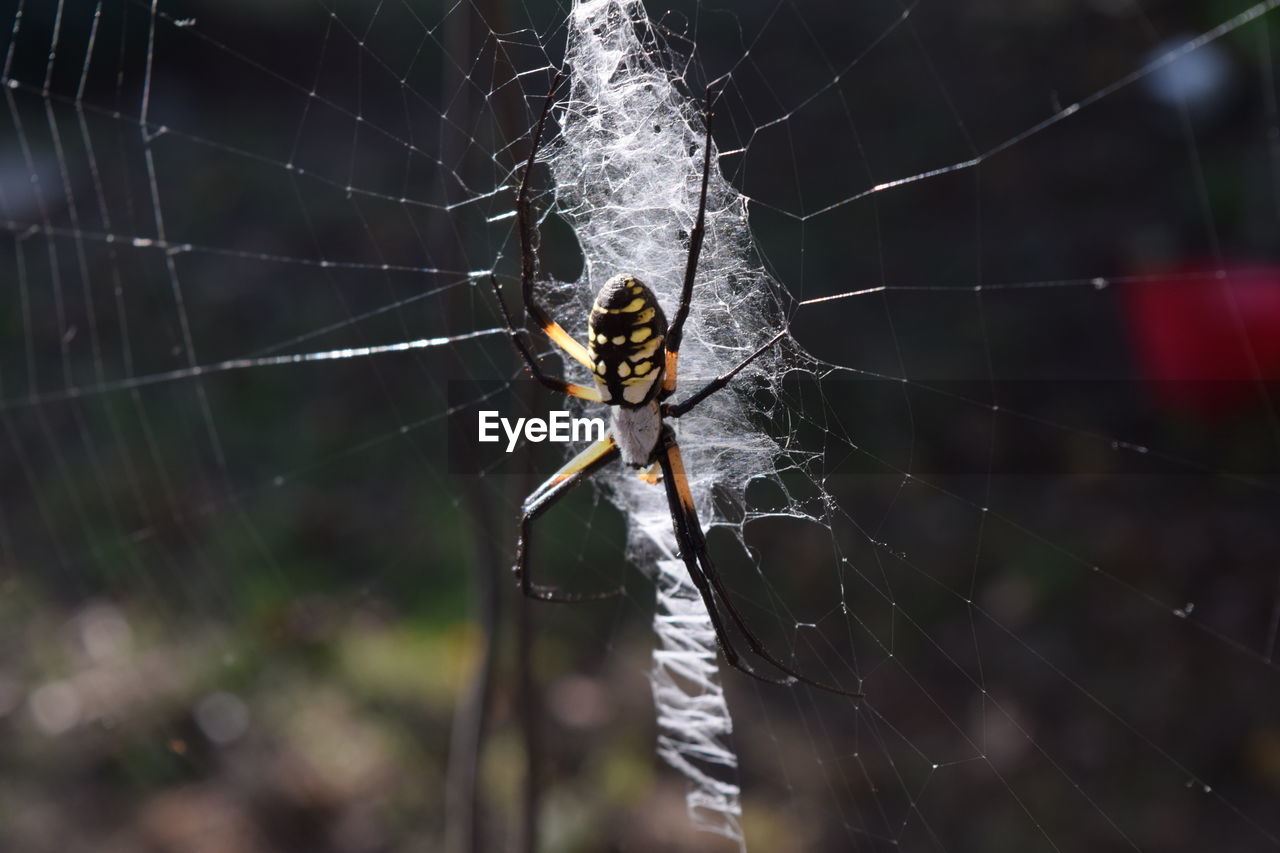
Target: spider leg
x=675 y=410
x=693 y=549
x=531 y=361
x=575 y=471
x=675 y=332
x=528 y=252
x=688 y=552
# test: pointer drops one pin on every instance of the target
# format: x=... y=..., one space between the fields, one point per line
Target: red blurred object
x=1205 y=336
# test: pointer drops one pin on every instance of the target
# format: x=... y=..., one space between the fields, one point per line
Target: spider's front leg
x=575 y=471
x=697 y=560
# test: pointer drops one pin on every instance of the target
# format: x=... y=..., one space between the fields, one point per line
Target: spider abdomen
x=625 y=335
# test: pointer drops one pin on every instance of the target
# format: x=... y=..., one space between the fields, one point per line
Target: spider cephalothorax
x=634 y=356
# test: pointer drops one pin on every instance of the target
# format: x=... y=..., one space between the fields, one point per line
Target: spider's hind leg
x=525 y=224
x=675 y=410
x=531 y=361
x=675 y=332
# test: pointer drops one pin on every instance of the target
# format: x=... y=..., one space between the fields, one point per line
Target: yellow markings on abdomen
x=645 y=350
x=631 y=307
x=626 y=331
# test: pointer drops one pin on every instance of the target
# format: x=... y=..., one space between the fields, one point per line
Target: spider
x=633 y=355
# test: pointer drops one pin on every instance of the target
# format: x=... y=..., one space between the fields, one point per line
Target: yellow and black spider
x=633 y=355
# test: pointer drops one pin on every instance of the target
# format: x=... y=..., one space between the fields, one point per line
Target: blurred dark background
x=266 y=609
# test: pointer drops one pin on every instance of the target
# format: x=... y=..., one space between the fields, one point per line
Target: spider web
x=1011 y=472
